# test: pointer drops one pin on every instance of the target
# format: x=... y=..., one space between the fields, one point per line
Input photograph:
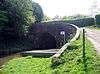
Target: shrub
x=97 y=17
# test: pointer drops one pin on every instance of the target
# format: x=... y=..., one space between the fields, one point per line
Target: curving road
x=94 y=37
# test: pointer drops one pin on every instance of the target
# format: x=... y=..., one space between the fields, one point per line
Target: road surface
x=94 y=37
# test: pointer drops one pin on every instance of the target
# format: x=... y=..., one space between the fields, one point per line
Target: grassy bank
x=72 y=62
x=69 y=63
x=27 y=65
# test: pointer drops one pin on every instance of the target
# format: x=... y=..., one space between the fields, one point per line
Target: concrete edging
x=67 y=44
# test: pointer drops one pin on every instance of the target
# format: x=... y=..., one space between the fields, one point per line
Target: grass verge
x=70 y=62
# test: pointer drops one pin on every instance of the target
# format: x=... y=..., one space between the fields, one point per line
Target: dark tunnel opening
x=46 y=41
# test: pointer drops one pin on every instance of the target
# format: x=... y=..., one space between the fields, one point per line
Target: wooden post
x=84 y=60
x=63 y=34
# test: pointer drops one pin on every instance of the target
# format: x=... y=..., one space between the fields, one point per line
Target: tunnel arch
x=47 y=35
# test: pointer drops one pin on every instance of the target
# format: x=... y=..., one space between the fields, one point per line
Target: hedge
x=82 y=22
x=97 y=17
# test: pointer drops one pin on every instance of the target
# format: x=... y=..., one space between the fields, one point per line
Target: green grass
x=28 y=65
x=70 y=62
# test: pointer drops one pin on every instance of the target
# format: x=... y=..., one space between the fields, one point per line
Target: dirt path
x=94 y=37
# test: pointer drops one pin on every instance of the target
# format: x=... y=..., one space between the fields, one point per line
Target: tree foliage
x=16 y=16
x=37 y=12
x=20 y=14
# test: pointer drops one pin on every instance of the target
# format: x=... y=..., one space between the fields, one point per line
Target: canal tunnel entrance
x=46 y=41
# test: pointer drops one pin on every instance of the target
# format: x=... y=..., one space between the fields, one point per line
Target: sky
x=52 y=8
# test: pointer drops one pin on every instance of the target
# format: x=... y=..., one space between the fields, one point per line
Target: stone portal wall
x=47 y=35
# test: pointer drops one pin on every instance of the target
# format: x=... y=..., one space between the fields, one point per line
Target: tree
x=21 y=14
x=37 y=12
x=15 y=18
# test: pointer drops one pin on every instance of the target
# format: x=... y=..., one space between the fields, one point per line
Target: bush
x=97 y=17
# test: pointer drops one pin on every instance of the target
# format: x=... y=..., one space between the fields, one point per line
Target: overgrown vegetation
x=69 y=63
x=16 y=16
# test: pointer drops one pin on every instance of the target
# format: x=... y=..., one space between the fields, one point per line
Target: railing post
x=84 y=57
x=64 y=39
